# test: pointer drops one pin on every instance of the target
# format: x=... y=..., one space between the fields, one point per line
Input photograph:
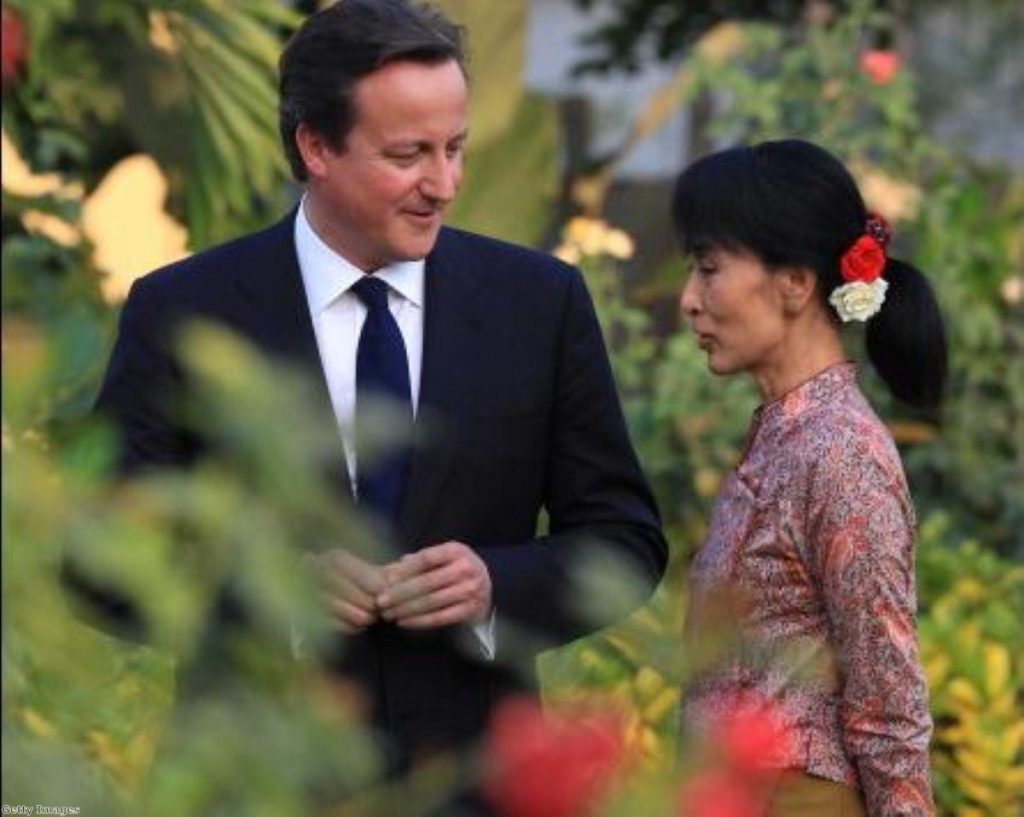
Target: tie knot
x=372 y=292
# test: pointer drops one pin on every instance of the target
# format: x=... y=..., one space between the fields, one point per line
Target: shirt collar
x=810 y=394
x=327 y=275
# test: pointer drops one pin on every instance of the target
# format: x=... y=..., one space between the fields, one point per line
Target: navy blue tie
x=382 y=374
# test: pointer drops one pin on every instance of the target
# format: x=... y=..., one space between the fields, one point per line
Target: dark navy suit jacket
x=515 y=366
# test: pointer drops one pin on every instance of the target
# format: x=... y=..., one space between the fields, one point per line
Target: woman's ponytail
x=906 y=340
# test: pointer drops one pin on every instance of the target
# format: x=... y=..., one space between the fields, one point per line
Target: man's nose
x=442 y=178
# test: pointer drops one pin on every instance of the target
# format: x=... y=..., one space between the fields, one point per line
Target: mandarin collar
x=812 y=393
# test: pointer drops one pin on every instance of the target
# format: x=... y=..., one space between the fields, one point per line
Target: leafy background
x=190 y=86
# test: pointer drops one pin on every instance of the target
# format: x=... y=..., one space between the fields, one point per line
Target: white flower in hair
x=858 y=301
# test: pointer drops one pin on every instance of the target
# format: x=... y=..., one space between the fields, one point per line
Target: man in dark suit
x=363 y=285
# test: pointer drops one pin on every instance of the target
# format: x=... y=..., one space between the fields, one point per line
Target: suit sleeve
x=142 y=386
x=596 y=497
x=136 y=398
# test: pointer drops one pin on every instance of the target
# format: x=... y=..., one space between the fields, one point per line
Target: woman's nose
x=688 y=300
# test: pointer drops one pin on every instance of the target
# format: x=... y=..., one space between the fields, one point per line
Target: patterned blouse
x=811 y=543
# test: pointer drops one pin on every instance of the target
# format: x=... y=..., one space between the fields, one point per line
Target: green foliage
x=251 y=727
x=689 y=426
x=970 y=637
x=956 y=220
x=190 y=83
x=623 y=39
x=509 y=128
x=251 y=731
x=528 y=143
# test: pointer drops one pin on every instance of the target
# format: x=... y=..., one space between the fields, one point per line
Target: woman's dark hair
x=338 y=46
x=793 y=204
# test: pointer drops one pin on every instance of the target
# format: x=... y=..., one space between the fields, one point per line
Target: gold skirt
x=804 y=795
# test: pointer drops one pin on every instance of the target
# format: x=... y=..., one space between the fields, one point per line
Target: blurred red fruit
x=540 y=766
x=880 y=66
x=13 y=46
x=752 y=738
x=718 y=794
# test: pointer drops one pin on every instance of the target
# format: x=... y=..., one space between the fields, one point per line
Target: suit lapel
x=452 y=321
x=275 y=314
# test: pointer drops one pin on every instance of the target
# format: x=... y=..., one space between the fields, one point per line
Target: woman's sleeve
x=865 y=531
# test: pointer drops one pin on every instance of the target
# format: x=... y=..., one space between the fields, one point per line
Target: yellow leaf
x=968 y=637
x=38 y=724
x=962 y=692
x=971 y=589
x=952 y=734
x=1013 y=780
x=666 y=701
x=975 y=764
x=997 y=668
x=1004 y=705
x=648 y=683
x=722 y=42
x=937 y=668
x=102 y=747
x=1010 y=741
x=978 y=792
x=649 y=744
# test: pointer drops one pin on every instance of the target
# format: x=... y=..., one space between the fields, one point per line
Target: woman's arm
x=866 y=536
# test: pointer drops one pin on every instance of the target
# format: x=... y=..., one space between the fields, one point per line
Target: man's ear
x=314 y=150
x=797 y=286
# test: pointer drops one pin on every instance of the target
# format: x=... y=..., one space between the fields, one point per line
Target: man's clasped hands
x=438 y=586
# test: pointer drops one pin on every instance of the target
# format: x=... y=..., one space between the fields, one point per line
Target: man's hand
x=437 y=586
x=349 y=588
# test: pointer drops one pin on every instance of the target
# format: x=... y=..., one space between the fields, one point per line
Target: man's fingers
x=420 y=585
x=370 y=578
x=348 y=615
x=434 y=587
x=454 y=614
x=413 y=564
x=437 y=600
x=342 y=588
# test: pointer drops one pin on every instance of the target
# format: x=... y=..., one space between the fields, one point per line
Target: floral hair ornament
x=861 y=266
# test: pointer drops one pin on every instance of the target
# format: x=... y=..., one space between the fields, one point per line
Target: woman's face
x=735 y=308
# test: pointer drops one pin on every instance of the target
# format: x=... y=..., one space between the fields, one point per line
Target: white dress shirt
x=338 y=315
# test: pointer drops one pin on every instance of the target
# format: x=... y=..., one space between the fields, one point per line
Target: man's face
x=382 y=196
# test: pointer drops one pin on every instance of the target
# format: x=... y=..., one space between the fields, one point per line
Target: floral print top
x=811 y=546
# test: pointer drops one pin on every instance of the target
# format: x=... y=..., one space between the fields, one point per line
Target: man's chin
x=418 y=247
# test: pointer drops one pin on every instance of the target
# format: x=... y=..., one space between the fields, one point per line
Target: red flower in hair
x=543 y=766
x=864 y=261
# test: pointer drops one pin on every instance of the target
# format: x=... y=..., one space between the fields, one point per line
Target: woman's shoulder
x=845 y=440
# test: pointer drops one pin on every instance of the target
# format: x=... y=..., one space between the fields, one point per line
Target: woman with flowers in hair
x=811 y=542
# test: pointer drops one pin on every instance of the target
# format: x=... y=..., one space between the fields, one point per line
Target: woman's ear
x=797 y=286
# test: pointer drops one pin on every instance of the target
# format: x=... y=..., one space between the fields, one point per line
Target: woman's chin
x=720 y=367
